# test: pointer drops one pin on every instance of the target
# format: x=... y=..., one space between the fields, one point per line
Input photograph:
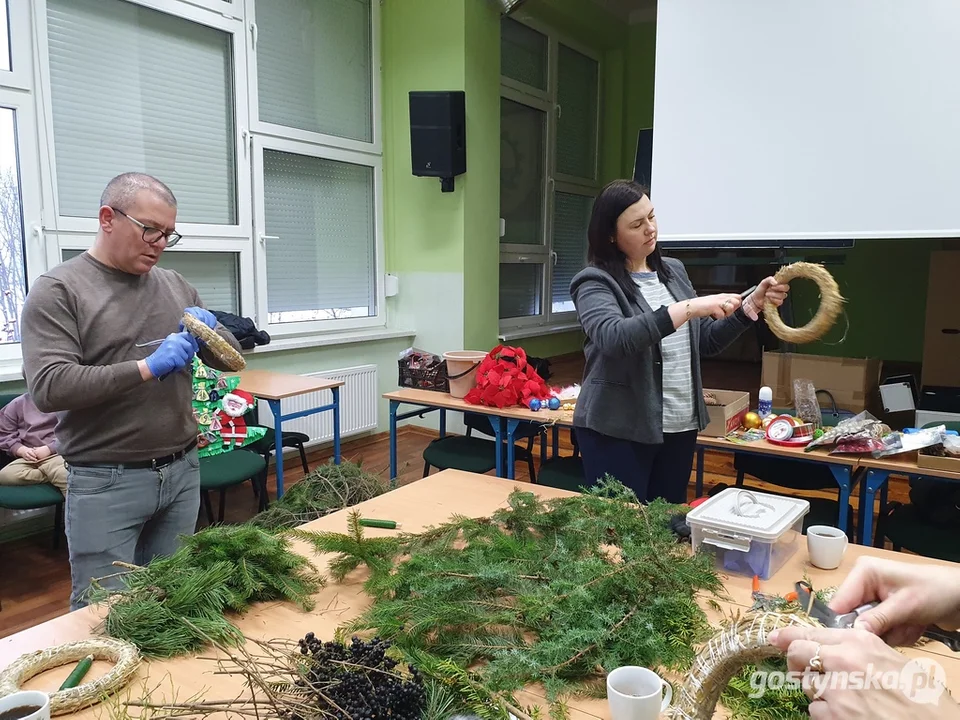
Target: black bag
x=937 y=501
x=242 y=329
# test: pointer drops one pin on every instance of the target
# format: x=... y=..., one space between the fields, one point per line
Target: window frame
x=315 y=327
x=54 y=222
x=267 y=129
x=19 y=20
x=547 y=320
x=22 y=103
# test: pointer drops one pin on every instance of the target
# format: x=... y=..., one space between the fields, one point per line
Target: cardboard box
x=950 y=464
x=853 y=382
x=728 y=416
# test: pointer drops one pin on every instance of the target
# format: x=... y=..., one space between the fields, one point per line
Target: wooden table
x=504 y=421
x=418 y=505
x=878 y=472
x=843 y=467
x=275 y=387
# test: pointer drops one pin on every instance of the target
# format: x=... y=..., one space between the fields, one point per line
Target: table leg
x=543 y=446
x=842 y=474
x=512 y=426
x=496 y=423
x=336 y=425
x=699 y=472
x=443 y=422
x=876 y=480
x=393 y=442
x=556 y=441
x=278 y=442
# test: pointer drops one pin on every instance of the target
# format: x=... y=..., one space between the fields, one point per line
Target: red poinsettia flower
x=504 y=379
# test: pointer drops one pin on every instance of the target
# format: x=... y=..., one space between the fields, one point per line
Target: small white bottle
x=765 y=406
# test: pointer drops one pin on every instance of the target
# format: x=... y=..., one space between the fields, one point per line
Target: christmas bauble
x=752 y=421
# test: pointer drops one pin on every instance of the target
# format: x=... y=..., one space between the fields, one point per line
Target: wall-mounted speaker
x=438 y=135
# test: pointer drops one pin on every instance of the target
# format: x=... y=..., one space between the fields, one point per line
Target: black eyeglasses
x=152 y=235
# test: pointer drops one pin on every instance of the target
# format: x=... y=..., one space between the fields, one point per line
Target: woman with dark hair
x=641 y=401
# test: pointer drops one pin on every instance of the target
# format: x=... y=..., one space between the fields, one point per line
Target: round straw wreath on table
x=744 y=642
x=831 y=304
x=218 y=346
x=124 y=655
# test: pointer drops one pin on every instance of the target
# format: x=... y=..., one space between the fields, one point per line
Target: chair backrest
x=7 y=398
x=948 y=424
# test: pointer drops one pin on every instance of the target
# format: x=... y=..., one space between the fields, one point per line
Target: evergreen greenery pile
x=176 y=604
x=557 y=592
x=326 y=489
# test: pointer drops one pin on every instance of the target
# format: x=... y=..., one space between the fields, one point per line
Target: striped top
x=679 y=414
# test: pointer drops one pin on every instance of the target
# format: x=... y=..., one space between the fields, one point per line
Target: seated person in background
x=28 y=435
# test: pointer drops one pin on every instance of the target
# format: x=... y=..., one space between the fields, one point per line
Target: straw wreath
x=218 y=346
x=744 y=642
x=831 y=304
x=125 y=656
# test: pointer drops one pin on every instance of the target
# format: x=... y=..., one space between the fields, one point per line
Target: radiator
x=358 y=405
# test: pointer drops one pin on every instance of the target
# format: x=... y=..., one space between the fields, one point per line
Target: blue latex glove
x=204 y=316
x=174 y=353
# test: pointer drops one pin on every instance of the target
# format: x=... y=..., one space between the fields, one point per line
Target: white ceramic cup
x=28 y=698
x=826 y=546
x=636 y=693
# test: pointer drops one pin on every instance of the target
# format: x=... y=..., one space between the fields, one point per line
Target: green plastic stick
x=74 y=678
x=370 y=522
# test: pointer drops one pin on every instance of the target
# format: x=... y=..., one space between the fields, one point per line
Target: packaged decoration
x=422 y=370
x=220 y=408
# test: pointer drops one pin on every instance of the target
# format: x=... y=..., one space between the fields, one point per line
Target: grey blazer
x=622 y=390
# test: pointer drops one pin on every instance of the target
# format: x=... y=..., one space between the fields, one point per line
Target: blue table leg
x=876 y=480
x=393 y=442
x=511 y=449
x=495 y=423
x=336 y=425
x=842 y=474
x=699 y=471
x=278 y=442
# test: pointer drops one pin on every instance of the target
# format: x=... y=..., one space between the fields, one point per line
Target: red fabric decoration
x=504 y=379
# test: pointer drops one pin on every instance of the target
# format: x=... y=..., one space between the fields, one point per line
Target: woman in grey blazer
x=641 y=401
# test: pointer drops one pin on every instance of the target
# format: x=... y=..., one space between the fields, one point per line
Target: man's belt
x=152 y=464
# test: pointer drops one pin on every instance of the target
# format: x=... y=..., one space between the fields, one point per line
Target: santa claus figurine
x=233 y=428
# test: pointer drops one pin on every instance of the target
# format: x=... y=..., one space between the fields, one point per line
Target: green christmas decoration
x=219 y=407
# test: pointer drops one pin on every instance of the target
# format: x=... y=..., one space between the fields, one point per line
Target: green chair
x=479 y=455
x=909 y=527
x=565 y=473
x=223 y=471
x=31 y=497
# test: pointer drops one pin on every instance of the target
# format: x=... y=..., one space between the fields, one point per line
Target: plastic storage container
x=751 y=533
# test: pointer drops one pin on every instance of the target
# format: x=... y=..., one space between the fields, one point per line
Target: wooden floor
x=35 y=578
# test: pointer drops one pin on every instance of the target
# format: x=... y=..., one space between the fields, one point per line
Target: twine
x=831 y=304
x=218 y=346
x=745 y=642
x=125 y=656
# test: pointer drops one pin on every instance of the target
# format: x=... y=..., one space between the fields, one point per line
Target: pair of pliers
x=820 y=611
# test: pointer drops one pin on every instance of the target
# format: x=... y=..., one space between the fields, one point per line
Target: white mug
x=27 y=698
x=826 y=546
x=636 y=693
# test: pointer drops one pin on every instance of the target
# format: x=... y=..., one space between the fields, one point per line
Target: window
x=549 y=120
x=261 y=115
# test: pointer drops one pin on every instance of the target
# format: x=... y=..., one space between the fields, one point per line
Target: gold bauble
x=752 y=421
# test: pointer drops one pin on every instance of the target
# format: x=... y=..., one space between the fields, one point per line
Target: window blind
x=323 y=213
x=168 y=106
x=523 y=54
x=215 y=275
x=571 y=219
x=520 y=289
x=577 y=78
x=521 y=172
x=314 y=66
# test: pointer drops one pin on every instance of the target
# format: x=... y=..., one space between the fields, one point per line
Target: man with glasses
x=126 y=428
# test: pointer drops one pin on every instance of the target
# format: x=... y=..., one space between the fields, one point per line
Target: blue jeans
x=131 y=515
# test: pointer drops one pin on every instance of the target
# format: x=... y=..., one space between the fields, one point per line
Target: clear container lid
x=748 y=512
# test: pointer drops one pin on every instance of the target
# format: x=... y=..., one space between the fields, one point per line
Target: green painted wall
x=481 y=184
x=423 y=48
x=638 y=89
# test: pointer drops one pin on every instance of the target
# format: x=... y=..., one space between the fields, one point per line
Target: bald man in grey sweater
x=126 y=428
